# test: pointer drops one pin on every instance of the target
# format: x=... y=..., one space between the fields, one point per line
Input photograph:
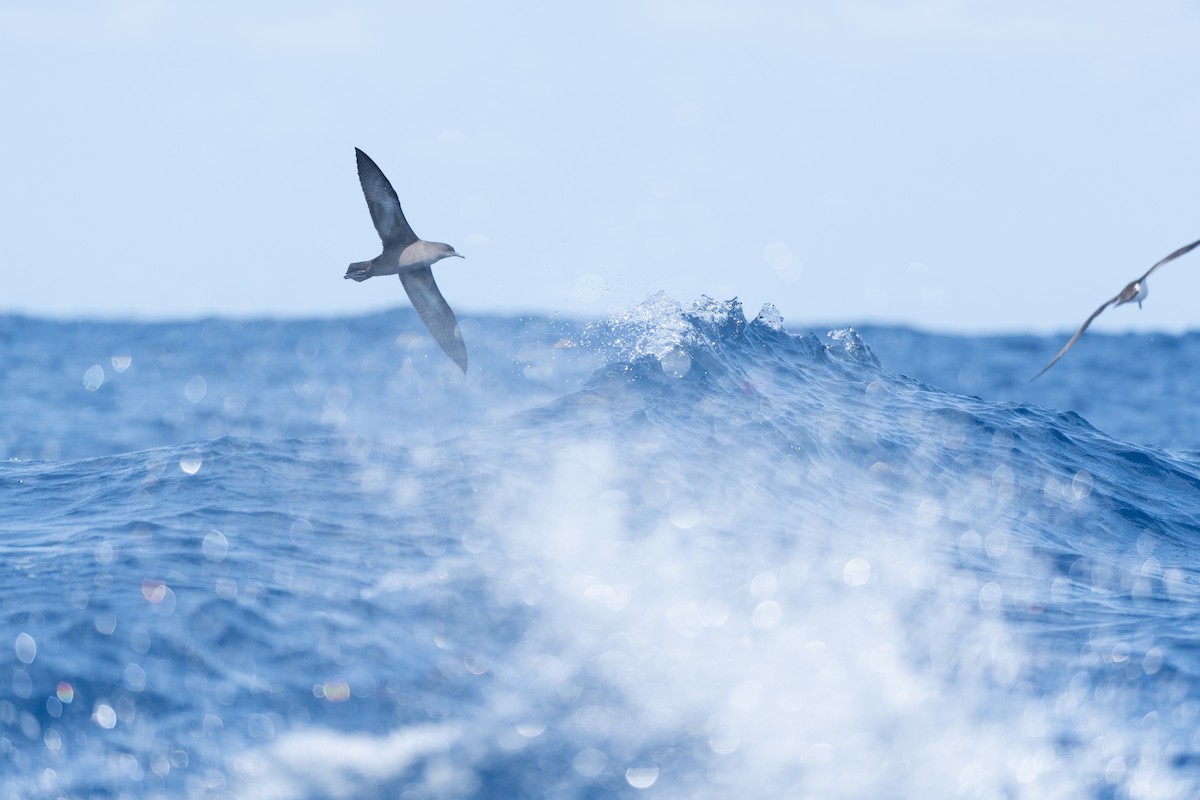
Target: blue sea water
x=674 y=554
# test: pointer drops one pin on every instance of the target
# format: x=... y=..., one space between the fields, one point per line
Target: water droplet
x=191 y=462
x=106 y=622
x=531 y=730
x=990 y=596
x=195 y=389
x=641 y=777
x=54 y=706
x=105 y=553
x=338 y=397
x=30 y=726
x=766 y=615
x=22 y=684
x=154 y=591
x=590 y=762
x=26 y=648
x=104 y=716
x=261 y=727
x=857 y=572
x=93 y=377
x=336 y=691
x=135 y=677
x=684 y=515
x=675 y=362
x=130 y=767
x=215 y=546
x=308 y=349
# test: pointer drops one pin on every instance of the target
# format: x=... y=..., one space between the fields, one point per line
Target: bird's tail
x=359 y=271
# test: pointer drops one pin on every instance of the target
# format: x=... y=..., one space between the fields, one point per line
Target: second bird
x=1134 y=292
x=409 y=257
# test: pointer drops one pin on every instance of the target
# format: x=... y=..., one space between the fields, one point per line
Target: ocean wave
x=676 y=553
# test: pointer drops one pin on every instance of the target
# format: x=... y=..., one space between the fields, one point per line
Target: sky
x=969 y=167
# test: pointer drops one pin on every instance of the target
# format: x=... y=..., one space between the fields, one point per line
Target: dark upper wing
x=1074 y=338
x=1180 y=252
x=435 y=313
x=385 y=206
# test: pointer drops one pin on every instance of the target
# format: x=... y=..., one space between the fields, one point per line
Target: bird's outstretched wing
x=1187 y=248
x=384 y=204
x=1074 y=338
x=435 y=313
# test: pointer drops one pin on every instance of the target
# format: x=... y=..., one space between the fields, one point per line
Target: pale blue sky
x=987 y=166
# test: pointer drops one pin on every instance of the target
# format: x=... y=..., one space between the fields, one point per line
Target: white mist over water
x=718 y=597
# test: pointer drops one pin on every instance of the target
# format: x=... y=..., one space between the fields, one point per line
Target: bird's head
x=442 y=250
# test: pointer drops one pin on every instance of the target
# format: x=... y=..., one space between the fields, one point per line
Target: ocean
x=677 y=553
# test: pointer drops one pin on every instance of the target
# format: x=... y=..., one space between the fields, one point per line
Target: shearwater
x=1134 y=292
x=410 y=257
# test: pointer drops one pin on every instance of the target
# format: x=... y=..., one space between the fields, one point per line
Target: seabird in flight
x=1136 y=291
x=409 y=257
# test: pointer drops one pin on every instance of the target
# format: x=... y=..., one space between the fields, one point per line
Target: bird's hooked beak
x=460 y=255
